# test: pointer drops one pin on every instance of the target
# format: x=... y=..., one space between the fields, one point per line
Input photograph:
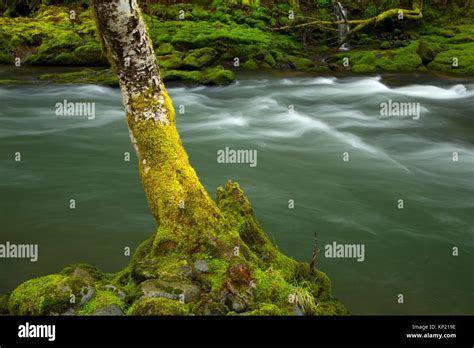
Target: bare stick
x=314 y=257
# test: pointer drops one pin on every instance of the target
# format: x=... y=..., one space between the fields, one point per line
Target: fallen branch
x=413 y=14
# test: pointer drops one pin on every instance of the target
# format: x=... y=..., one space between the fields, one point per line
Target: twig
x=314 y=257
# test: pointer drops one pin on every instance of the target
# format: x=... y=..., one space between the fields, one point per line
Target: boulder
x=110 y=310
x=426 y=52
x=201 y=266
x=119 y=292
x=171 y=290
x=235 y=303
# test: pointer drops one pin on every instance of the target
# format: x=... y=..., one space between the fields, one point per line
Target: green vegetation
x=46 y=295
x=88 y=76
x=208 y=257
x=158 y=306
x=442 y=41
x=401 y=59
x=11 y=82
x=101 y=300
x=205 y=43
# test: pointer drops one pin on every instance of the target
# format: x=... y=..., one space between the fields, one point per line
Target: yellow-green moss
x=269 y=309
x=103 y=298
x=4 y=304
x=45 y=295
x=11 y=82
x=187 y=217
x=199 y=58
x=462 y=53
x=158 y=306
x=86 y=76
x=272 y=287
x=401 y=59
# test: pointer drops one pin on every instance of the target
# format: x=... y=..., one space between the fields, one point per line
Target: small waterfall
x=341 y=14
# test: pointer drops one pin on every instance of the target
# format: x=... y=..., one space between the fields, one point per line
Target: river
x=321 y=142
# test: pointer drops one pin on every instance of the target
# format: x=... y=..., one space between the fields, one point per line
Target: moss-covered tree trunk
x=180 y=204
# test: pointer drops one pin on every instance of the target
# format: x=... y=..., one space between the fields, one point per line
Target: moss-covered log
x=415 y=13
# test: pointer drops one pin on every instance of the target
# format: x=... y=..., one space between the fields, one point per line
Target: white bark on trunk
x=180 y=204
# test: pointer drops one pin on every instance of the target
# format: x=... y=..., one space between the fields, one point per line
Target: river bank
x=206 y=44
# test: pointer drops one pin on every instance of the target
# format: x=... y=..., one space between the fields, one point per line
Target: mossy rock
x=64 y=43
x=214 y=309
x=364 y=68
x=165 y=49
x=86 y=76
x=400 y=59
x=84 y=271
x=158 y=306
x=210 y=76
x=48 y=295
x=217 y=76
x=200 y=58
x=446 y=61
x=199 y=13
x=6 y=57
x=170 y=61
x=4 y=304
x=92 y=54
x=182 y=76
x=65 y=58
x=269 y=309
x=48 y=38
x=142 y=266
x=385 y=45
x=300 y=63
x=426 y=52
x=250 y=64
x=365 y=39
x=332 y=307
x=102 y=303
x=268 y=59
x=185 y=290
x=11 y=82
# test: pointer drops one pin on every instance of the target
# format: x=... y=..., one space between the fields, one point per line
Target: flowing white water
x=344 y=28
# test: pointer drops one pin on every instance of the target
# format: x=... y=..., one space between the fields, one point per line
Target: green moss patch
x=52 y=294
x=158 y=306
x=100 y=301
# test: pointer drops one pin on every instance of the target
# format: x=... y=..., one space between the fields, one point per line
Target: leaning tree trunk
x=186 y=215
